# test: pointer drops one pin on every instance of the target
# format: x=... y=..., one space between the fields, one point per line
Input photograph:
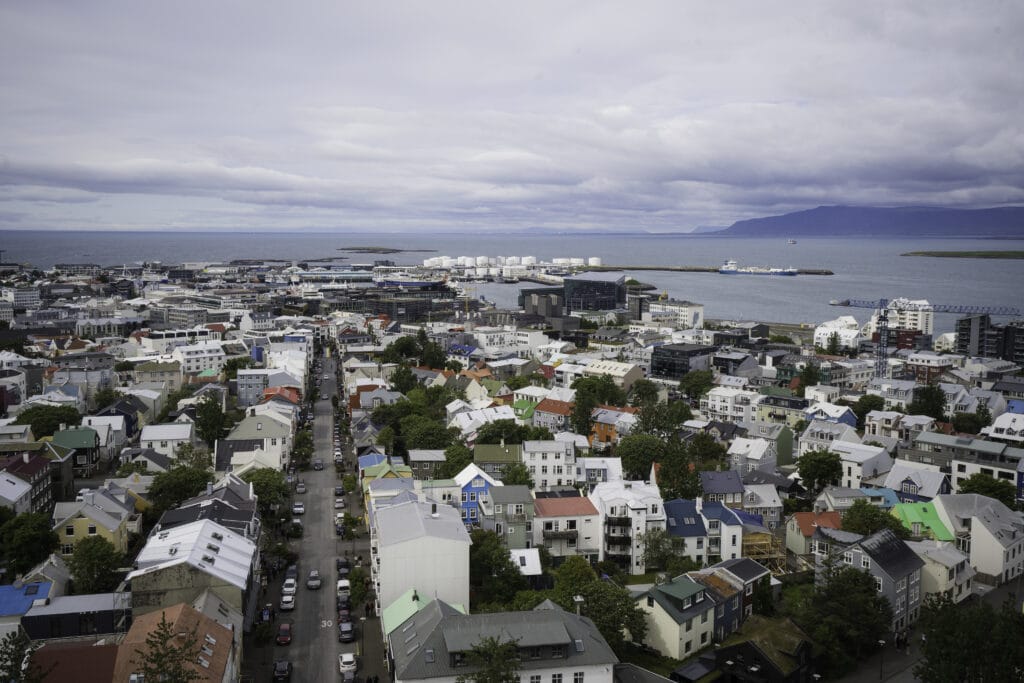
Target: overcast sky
x=501 y=115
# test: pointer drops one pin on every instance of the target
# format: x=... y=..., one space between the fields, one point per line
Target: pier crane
x=884 y=305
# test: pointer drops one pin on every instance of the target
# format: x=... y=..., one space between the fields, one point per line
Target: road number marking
x=326 y=623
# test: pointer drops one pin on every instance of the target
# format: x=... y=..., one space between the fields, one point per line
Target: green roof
x=925 y=515
x=524 y=408
x=209 y=372
x=399 y=611
x=778 y=639
x=155 y=366
x=776 y=391
x=496 y=453
x=438 y=483
x=80 y=437
x=492 y=386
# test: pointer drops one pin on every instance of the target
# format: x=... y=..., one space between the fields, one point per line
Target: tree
x=27 y=540
x=270 y=488
x=637 y=453
x=696 y=383
x=400 y=350
x=16 y=662
x=928 y=400
x=182 y=392
x=124 y=366
x=187 y=455
x=833 y=344
x=678 y=476
x=233 y=365
x=662 y=419
x=456 y=458
x=403 y=380
x=703 y=449
x=492 y=660
x=509 y=432
x=970 y=642
x=169 y=489
x=809 y=376
x=210 y=420
x=865 y=519
x=434 y=357
x=602 y=388
x=45 y=420
x=517 y=382
x=168 y=656
x=94 y=565
x=493 y=578
x=302 y=448
x=107 y=396
x=864 y=405
x=658 y=548
x=643 y=392
x=780 y=339
x=818 y=468
x=581 y=417
x=516 y=474
x=846 y=616
x=985 y=485
x=418 y=431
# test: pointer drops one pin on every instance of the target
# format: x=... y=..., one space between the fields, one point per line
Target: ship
x=790 y=241
x=733 y=268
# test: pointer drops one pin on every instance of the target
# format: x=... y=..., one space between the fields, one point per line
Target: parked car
x=282 y=670
x=343 y=588
x=339 y=503
x=284 y=634
x=343 y=565
x=287 y=603
x=289 y=586
x=339 y=518
x=346 y=632
x=313 y=582
x=347 y=662
x=339 y=490
x=300 y=487
x=339 y=529
x=292 y=572
x=298 y=508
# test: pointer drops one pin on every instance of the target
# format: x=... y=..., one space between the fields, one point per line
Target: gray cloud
x=479 y=116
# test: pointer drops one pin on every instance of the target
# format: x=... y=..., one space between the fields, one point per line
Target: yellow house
x=97 y=514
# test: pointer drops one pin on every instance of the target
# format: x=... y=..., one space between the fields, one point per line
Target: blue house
x=686 y=527
x=474 y=484
x=15 y=601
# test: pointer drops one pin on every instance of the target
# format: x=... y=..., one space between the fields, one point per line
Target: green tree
x=401 y=349
x=302 y=448
x=928 y=400
x=764 y=603
x=509 y=432
x=182 y=392
x=211 y=420
x=516 y=473
x=233 y=365
x=106 y=396
x=984 y=485
x=168 y=656
x=45 y=420
x=270 y=487
x=403 y=380
x=124 y=366
x=357 y=578
x=984 y=414
x=16 y=661
x=818 y=468
x=643 y=392
x=833 y=344
x=456 y=457
x=864 y=405
x=517 y=382
x=607 y=604
x=603 y=389
x=809 y=376
x=970 y=642
x=704 y=450
x=846 y=616
x=967 y=423
x=434 y=357
x=637 y=453
x=659 y=549
x=678 y=476
x=492 y=660
x=581 y=417
x=493 y=577
x=418 y=431
x=780 y=339
x=696 y=383
x=197 y=457
x=130 y=468
x=94 y=565
x=27 y=540
x=169 y=489
x=662 y=419
x=865 y=518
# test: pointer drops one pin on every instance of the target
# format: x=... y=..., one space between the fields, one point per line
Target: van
x=344 y=588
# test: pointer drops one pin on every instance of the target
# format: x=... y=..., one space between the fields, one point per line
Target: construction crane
x=882 y=325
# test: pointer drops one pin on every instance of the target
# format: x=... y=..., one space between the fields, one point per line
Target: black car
x=343 y=566
x=346 y=632
x=339 y=529
x=318 y=464
x=292 y=572
x=282 y=670
x=339 y=490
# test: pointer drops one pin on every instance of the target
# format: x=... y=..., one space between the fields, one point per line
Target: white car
x=287 y=603
x=346 y=662
x=289 y=587
x=339 y=503
x=299 y=509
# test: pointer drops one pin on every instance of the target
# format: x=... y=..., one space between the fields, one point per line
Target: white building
x=845 y=327
x=551 y=463
x=905 y=314
x=167 y=438
x=628 y=510
x=726 y=404
x=680 y=314
x=746 y=455
x=946 y=571
x=425 y=545
x=196 y=358
x=987 y=531
x=567 y=526
x=860 y=462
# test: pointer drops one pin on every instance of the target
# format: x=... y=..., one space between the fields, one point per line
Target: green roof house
x=922 y=521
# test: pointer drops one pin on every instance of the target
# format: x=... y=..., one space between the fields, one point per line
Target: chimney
x=415 y=595
x=209 y=488
x=433 y=511
x=62 y=427
x=25 y=457
x=90 y=498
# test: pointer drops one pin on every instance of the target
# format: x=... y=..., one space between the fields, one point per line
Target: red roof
x=563 y=507
x=809 y=520
x=550 y=405
x=287 y=393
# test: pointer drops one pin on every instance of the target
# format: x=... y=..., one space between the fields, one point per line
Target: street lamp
x=881 y=660
x=362 y=635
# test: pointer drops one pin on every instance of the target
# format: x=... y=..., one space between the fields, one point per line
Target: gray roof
x=94 y=602
x=721 y=482
x=516 y=493
x=743 y=568
x=891 y=554
x=1001 y=522
x=400 y=523
x=426 y=455
x=423 y=643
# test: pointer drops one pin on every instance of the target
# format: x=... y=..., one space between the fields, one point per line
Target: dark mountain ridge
x=907 y=221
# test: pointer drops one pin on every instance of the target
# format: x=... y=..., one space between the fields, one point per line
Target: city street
x=315 y=648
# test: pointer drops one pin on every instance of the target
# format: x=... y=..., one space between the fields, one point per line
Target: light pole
x=881 y=660
x=362 y=635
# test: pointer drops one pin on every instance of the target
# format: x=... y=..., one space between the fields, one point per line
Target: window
x=577 y=677
x=465 y=497
x=704 y=638
x=878 y=584
x=650 y=601
x=558 y=651
x=535 y=678
x=902 y=584
x=69 y=530
x=689 y=646
x=534 y=653
x=497 y=509
x=92 y=529
x=689 y=624
x=472 y=497
x=67 y=549
x=472 y=513
x=848 y=557
x=556 y=678
x=749 y=590
x=865 y=562
x=654 y=508
x=721 y=610
x=704 y=617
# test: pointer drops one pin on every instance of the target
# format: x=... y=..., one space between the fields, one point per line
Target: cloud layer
x=498 y=116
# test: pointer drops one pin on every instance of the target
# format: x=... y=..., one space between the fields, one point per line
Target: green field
x=968 y=254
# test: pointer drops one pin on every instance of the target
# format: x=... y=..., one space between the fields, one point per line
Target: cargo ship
x=733 y=268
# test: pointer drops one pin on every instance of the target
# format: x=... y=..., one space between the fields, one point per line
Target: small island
x=383 y=250
x=968 y=254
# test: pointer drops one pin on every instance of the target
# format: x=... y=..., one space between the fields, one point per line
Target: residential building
x=73 y=616
x=860 y=462
x=167 y=438
x=551 y=463
x=508 y=511
x=591 y=471
x=156 y=371
x=680 y=314
x=274 y=435
x=31 y=468
x=98 y=513
x=947 y=572
x=15 y=493
x=914 y=482
x=922 y=521
x=787 y=410
x=895 y=425
x=622 y=374
x=425 y=462
x=725 y=530
x=610 y=424
x=567 y=526
x=680 y=617
x=552 y=414
x=474 y=484
x=845 y=330
x=800 y=530
x=492 y=458
x=988 y=532
x=197 y=358
x=772 y=649
x=725 y=487
x=730 y=405
x=763 y=500
x=964 y=456
x=820 y=435
x=746 y=575
x=685 y=526
x=628 y=510
x=746 y=455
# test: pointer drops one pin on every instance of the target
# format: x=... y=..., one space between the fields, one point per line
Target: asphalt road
x=315 y=648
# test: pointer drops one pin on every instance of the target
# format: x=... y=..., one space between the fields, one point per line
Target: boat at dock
x=733 y=268
x=790 y=241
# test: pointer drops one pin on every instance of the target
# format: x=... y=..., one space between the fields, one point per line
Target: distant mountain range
x=910 y=221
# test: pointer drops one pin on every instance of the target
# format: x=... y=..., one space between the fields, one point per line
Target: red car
x=284 y=634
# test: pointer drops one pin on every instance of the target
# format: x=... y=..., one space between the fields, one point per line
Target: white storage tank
x=529 y=260
x=594 y=261
x=481 y=260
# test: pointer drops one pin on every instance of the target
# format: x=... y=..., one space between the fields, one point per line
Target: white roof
x=527 y=561
x=12 y=488
x=171 y=431
x=928 y=482
x=471 y=472
x=226 y=555
x=414 y=520
x=855 y=452
x=767 y=495
x=749 y=448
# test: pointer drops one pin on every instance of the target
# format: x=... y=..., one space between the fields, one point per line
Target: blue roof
x=888 y=495
x=678 y=513
x=717 y=510
x=371 y=459
x=721 y=482
x=1015 y=405
x=462 y=349
x=17 y=601
x=749 y=518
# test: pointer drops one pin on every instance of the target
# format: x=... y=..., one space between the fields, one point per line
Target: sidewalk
x=889 y=664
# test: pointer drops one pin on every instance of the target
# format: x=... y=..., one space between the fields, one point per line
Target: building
x=965 y=456
x=200 y=357
x=71 y=616
x=627 y=510
x=746 y=455
x=725 y=530
x=724 y=487
x=508 y=512
x=673 y=361
x=685 y=526
x=552 y=414
x=988 y=532
x=680 y=617
x=845 y=330
x=167 y=438
x=594 y=291
x=860 y=462
x=947 y=572
x=551 y=463
x=32 y=468
x=728 y=404
x=567 y=526
x=419 y=544
x=800 y=530
x=98 y=513
x=979 y=336
x=681 y=314
x=763 y=500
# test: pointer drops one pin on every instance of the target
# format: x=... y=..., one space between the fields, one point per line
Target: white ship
x=733 y=268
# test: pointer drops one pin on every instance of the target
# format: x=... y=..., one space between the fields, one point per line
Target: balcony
x=516 y=517
x=618 y=521
x=621 y=559
x=555 y=534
